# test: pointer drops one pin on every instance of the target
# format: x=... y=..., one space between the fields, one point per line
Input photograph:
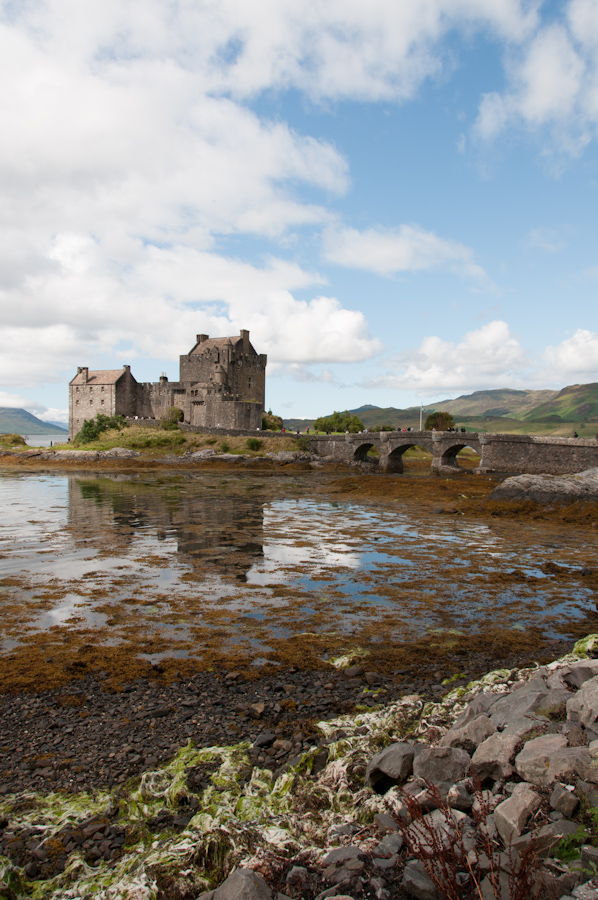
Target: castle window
x=102 y=388
x=102 y=401
x=250 y=382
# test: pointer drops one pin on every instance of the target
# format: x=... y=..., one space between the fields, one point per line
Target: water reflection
x=175 y=565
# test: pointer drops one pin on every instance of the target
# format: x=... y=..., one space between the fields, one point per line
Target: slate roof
x=99 y=376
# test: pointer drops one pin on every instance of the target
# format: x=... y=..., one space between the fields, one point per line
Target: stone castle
x=222 y=383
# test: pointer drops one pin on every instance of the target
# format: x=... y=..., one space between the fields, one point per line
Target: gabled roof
x=99 y=376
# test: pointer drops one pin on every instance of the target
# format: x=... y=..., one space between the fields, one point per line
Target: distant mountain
x=575 y=403
x=19 y=421
x=504 y=402
x=500 y=411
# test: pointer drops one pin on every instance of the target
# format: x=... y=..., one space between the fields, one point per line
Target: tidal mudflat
x=135 y=573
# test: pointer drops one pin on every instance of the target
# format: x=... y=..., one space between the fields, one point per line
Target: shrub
x=303 y=443
x=170 y=422
x=93 y=428
x=270 y=422
x=210 y=441
x=253 y=444
x=224 y=447
x=12 y=440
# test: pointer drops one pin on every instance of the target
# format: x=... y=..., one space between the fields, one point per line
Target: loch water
x=170 y=565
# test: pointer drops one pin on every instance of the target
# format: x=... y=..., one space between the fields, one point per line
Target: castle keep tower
x=222 y=384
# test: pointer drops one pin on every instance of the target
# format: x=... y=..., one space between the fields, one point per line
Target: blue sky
x=398 y=200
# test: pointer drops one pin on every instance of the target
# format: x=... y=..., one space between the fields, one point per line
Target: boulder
x=477 y=707
x=417 y=883
x=533 y=761
x=524 y=726
x=441 y=764
x=120 y=453
x=583 y=706
x=493 y=757
x=544 y=489
x=511 y=816
x=563 y=799
x=391 y=766
x=545 y=838
x=522 y=702
x=470 y=735
x=242 y=884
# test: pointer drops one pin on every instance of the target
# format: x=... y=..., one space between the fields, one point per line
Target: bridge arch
x=361 y=451
x=447 y=462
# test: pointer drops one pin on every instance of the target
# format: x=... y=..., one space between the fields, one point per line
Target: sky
x=397 y=199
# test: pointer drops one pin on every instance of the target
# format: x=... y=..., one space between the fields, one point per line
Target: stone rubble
x=365 y=810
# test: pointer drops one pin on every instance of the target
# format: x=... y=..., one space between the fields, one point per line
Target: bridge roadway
x=509 y=454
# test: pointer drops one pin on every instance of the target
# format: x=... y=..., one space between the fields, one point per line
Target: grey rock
x=489 y=890
x=522 y=702
x=388 y=846
x=584 y=892
x=470 y=735
x=207 y=453
x=545 y=838
x=243 y=884
x=511 y=816
x=533 y=761
x=385 y=823
x=583 y=706
x=417 y=883
x=564 y=800
x=544 y=489
x=578 y=674
x=493 y=758
x=589 y=862
x=120 y=453
x=523 y=726
x=341 y=855
x=460 y=796
x=438 y=822
x=391 y=766
x=477 y=707
x=441 y=764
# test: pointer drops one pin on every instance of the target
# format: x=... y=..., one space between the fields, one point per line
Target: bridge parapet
x=509 y=454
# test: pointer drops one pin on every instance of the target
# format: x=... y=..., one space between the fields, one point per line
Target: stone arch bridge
x=512 y=454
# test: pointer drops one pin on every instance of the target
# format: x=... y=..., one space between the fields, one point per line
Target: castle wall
x=222 y=384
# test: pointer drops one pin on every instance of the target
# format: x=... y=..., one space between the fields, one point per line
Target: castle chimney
x=83 y=370
x=126 y=368
x=201 y=338
x=245 y=336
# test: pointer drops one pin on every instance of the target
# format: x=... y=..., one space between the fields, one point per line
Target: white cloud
x=404 y=249
x=17 y=401
x=488 y=357
x=553 y=82
x=576 y=356
x=547 y=239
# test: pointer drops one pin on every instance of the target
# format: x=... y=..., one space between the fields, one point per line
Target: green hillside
x=575 y=403
x=19 y=421
x=559 y=413
x=505 y=402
